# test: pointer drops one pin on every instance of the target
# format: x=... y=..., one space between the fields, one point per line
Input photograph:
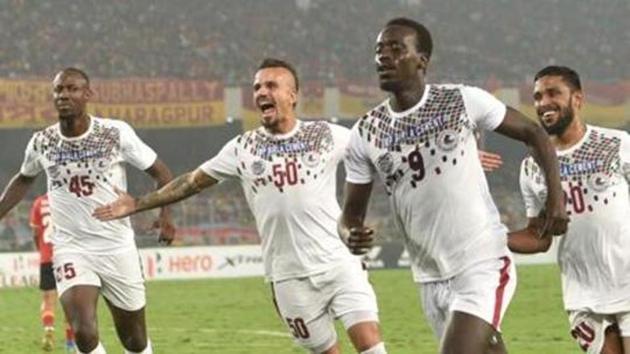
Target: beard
x=566 y=118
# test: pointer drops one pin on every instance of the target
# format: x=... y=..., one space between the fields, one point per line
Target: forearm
x=545 y=156
x=14 y=193
x=527 y=242
x=177 y=189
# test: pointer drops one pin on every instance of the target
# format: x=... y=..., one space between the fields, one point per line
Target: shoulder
x=609 y=132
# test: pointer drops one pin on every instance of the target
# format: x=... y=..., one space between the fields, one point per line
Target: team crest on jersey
x=385 y=163
x=311 y=159
x=599 y=181
x=447 y=140
x=258 y=167
x=101 y=165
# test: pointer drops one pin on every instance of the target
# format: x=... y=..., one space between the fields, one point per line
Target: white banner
x=22 y=269
x=202 y=262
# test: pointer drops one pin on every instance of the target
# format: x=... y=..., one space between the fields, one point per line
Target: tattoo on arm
x=179 y=188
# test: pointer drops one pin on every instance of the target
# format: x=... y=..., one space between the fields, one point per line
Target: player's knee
x=377 y=349
x=86 y=336
x=136 y=344
x=148 y=349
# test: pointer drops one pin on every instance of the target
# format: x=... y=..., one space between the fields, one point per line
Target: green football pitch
x=231 y=316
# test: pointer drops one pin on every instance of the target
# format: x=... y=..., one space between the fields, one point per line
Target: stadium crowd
x=214 y=40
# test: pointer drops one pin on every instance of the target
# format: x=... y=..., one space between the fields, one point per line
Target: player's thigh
x=122 y=280
x=466 y=333
x=78 y=288
x=354 y=304
x=303 y=307
x=595 y=333
x=623 y=323
x=130 y=326
x=485 y=290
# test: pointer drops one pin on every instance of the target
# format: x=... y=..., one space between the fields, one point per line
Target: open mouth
x=548 y=116
x=267 y=107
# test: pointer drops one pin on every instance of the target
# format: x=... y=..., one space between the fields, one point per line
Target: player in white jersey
x=287 y=169
x=83 y=158
x=421 y=143
x=594 y=253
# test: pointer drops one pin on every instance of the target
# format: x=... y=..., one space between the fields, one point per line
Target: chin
x=389 y=86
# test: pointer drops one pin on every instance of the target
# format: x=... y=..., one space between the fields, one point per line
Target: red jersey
x=42 y=226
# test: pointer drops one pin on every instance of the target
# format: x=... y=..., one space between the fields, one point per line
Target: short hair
x=277 y=63
x=568 y=75
x=75 y=71
x=424 y=43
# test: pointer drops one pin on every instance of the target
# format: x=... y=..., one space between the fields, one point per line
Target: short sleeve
x=341 y=137
x=533 y=205
x=624 y=154
x=224 y=165
x=31 y=166
x=134 y=150
x=485 y=110
x=359 y=168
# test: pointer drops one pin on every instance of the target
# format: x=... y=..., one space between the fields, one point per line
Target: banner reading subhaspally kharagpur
x=144 y=103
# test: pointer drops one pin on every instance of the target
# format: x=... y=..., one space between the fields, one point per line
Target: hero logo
x=447 y=140
x=599 y=181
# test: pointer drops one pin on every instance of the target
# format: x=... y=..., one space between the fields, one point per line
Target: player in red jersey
x=42 y=228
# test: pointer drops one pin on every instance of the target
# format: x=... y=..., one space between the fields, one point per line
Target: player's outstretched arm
x=14 y=192
x=179 y=188
x=351 y=228
x=516 y=126
x=529 y=239
x=162 y=175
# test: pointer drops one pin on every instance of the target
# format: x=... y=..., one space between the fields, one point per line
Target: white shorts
x=310 y=305
x=589 y=329
x=119 y=276
x=484 y=290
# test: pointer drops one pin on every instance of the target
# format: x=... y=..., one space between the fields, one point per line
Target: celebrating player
x=83 y=158
x=421 y=143
x=287 y=169
x=594 y=253
x=42 y=229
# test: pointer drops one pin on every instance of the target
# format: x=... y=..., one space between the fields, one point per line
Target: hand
x=124 y=206
x=359 y=239
x=166 y=227
x=555 y=220
x=489 y=161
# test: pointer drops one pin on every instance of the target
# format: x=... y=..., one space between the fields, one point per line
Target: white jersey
x=427 y=158
x=82 y=173
x=594 y=255
x=290 y=185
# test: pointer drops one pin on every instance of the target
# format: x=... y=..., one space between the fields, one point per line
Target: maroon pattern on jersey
x=306 y=152
x=436 y=129
x=587 y=172
x=92 y=154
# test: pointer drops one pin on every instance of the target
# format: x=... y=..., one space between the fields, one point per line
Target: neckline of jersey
x=292 y=132
x=419 y=104
x=576 y=145
x=73 y=138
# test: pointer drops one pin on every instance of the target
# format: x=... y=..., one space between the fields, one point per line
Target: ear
x=423 y=62
x=578 y=99
x=294 y=97
x=89 y=93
